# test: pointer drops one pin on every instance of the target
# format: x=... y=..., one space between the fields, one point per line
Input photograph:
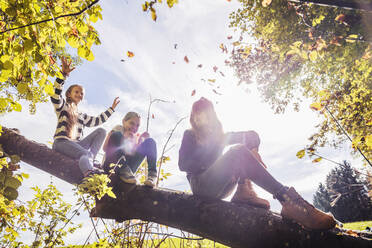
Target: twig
x=91 y=219
x=164 y=147
x=51 y=19
x=148 y=110
x=343 y=130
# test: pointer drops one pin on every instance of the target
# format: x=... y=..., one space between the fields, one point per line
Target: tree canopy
x=317 y=52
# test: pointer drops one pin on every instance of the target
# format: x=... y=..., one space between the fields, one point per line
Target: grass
x=361 y=225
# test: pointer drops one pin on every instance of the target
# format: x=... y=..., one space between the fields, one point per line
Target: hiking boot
x=245 y=194
x=294 y=207
x=126 y=175
x=151 y=179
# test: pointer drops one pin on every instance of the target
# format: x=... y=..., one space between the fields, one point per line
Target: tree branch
x=52 y=19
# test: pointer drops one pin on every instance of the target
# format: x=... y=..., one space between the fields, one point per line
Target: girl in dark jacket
x=214 y=174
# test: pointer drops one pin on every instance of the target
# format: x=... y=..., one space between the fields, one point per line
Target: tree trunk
x=228 y=223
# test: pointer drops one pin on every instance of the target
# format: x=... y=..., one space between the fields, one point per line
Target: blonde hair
x=72 y=112
x=130 y=115
x=214 y=130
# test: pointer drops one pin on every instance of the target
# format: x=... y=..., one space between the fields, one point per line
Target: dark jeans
x=147 y=149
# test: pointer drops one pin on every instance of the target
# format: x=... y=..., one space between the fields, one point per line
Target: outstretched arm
x=56 y=98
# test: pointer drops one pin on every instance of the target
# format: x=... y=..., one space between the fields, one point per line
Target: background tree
x=345 y=195
x=321 y=53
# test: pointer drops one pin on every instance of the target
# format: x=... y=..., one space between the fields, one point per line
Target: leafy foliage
x=345 y=195
x=307 y=49
x=29 y=51
x=45 y=216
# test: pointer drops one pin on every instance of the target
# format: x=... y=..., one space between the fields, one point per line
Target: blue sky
x=198 y=28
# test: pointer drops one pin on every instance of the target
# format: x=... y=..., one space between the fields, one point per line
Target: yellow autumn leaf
x=212 y=80
x=153 y=14
x=313 y=55
x=316 y=106
x=317 y=160
x=300 y=154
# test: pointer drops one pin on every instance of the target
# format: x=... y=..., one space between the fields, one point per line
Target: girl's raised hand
x=115 y=103
x=66 y=67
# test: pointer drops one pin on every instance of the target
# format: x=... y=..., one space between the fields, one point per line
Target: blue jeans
x=83 y=149
x=147 y=149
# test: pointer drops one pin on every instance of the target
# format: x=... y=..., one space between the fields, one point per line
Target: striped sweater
x=61 y=109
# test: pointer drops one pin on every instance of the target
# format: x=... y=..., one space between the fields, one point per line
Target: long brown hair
x=72 y=113
x=214 y=130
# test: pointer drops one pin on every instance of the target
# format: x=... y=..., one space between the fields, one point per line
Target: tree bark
x=228 y=223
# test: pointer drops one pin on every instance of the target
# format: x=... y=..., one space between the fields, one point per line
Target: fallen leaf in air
x=130 y=54
x=212 y=80
x=200 y=66
x=215 y=68
x=186 y=59
x=216 y=92
x=229 y=37
x=153 y=116
x=193 y=92
x=122 y=60
x=175 y=46
x=222 y=74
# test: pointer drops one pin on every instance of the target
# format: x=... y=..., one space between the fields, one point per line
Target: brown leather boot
x=294 y=207
x=245 y=194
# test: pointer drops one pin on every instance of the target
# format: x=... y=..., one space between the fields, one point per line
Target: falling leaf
x=222 y=74
x=153 y=116
x=317 y=160
x=122 y=60
x=215 y=68
x=200 y=66
x=186 y=59
x=193 y=92
x=229 y=0
x=229 y=37
x=216 y=92
x=173 y=62
x=223 y=48
x=300 y=154
x=316 y=106
x=153 y=14
x=130 y=54
x=266 y=3
x=227 y=62
x=212 y=80
x=175 y=46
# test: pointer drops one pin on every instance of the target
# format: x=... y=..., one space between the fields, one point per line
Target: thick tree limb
x=231 y=224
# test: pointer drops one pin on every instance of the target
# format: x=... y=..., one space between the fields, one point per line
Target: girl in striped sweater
x=67 y=138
